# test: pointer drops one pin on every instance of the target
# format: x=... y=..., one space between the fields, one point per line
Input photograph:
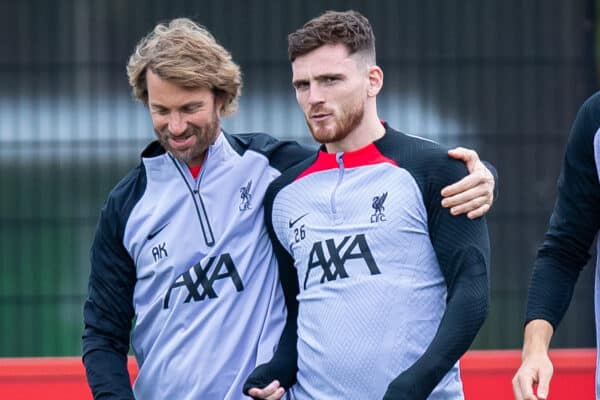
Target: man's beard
x=349 y=119
x=205 y=136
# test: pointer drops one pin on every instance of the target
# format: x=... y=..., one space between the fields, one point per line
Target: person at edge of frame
x=573 y=226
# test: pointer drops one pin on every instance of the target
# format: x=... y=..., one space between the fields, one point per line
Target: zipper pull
x=340 y=159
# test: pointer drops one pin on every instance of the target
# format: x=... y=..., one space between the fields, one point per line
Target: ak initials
x=158 y=252
x=338 y=255
x=186 y=280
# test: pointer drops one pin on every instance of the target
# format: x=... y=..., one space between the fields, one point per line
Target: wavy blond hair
x=186 y=54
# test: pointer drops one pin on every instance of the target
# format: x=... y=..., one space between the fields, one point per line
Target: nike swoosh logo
x=292 y=223
x=151 y=235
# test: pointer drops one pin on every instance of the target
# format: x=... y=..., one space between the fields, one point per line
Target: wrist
x=538 y=334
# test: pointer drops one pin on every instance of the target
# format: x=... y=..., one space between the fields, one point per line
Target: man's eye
x=191 y=109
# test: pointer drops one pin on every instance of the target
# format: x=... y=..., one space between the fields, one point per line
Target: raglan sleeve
x=573 y=224
x=463 y=251
x=284 y=364
x=108 y=310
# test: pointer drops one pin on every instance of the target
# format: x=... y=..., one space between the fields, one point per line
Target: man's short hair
x=349 y=28
x=186 y=54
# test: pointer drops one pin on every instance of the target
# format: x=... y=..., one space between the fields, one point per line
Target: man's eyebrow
x=299 y=81
x=193 y=104
x=327 y=76
x=197 y=103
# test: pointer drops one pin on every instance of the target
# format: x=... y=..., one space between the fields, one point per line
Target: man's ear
x=375 y=80
x=219 y=102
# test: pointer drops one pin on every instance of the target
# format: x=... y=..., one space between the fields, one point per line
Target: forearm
x=573 y=225
x=105 y=356
x=550 y=291
x=107 y=316
x=283 y=366
x=465 y=313
x=105 y=344
x=285 y=358
x=107 y=375
x=462 y=249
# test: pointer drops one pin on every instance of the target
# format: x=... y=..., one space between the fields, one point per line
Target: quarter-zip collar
x=367 y=155
x=214 y=154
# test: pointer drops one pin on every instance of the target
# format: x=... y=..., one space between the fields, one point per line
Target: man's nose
x=177 y=124
x=315 y=95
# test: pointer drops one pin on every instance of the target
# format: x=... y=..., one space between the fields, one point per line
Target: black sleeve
x=282 y=154
x=462 y=248
x=284 y=364
x=108 y=310
x=573 y=225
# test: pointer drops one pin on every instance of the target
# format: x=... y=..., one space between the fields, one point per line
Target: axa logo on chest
x=333 y=267
x=201 y=287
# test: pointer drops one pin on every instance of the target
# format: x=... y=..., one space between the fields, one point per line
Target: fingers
x=474 y=208
x=479 y=212
x=537 y=369
x=479 y=176
x=271 y=392
x=261 y=394
x=474 y=194
x=544 y=384
x=475 y=201
x=523 y=386
x=469 y=193
x=468 y=156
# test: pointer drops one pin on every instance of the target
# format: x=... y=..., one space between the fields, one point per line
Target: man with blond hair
x=181 y=253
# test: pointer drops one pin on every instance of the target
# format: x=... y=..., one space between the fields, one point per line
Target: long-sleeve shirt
x=188 y=262
x=391 y=288
x=573 y=225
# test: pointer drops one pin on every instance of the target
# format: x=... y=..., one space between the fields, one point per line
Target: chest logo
x=198 y=282
x=330 y=258
x=246 y=196
x=293 y=222
x=152 y=234
x=379 y=208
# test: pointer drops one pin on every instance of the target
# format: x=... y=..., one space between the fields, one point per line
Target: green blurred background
x=503 y=76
